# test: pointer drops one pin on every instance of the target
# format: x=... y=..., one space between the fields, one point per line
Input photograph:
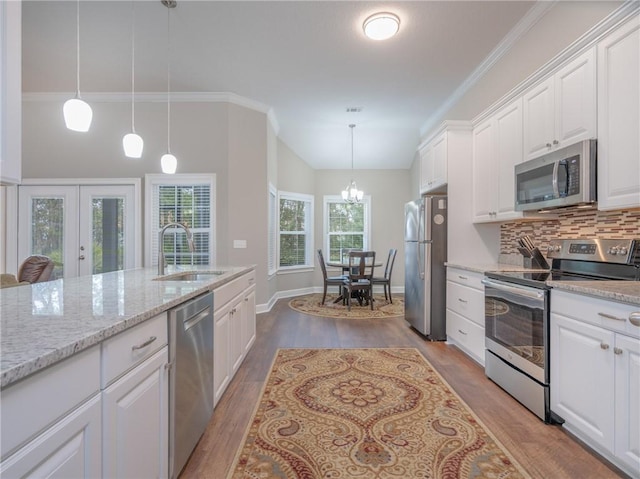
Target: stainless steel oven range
x=517 y=313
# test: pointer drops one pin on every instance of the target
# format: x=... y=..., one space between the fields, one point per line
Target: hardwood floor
x=545 y=451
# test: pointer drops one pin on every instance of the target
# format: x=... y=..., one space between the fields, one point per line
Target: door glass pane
x=47 y=231
x=107 y=234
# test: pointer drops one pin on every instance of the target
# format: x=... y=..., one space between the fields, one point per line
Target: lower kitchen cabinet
x=465 y=312
x=595 y=374
x=135 y=421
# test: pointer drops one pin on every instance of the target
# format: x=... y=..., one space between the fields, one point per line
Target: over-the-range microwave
x=564 y=177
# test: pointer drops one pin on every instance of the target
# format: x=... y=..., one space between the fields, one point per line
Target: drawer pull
x=617 y=351
x=145 y=344
x=462 y=332
x=634 y=318
x=462 y=300
x=463 y=277
x=604 y=346
x=610 y=316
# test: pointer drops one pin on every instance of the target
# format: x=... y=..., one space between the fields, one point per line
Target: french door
x=85 y=229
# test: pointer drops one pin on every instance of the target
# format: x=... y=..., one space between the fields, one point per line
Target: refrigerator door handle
x=420 y=259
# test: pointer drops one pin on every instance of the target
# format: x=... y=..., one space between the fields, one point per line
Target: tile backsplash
x=576 y=223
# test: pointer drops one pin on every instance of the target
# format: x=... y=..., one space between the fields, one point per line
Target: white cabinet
x=465 y=312
x=449 y=140
x=595 y=373
x=10 y=92
x=135 y=421
x=51 y=425
x=497 y=148
x=234 y=329
x=561 y=110
x=619 y=118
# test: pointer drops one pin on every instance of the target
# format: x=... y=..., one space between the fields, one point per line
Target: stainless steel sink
x=190 y=276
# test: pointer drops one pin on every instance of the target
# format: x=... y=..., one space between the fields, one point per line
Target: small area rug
x=310 y=304
x=369 y=414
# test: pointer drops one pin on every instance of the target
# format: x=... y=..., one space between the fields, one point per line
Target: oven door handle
x=514 y=290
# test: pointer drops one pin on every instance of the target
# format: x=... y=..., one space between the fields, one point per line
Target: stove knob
x=613 y=250
x=622 y=250
x=557 y=248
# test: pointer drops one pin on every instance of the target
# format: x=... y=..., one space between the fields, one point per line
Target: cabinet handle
x=462 y=332
x=555 y=142
x=548 y=145
x=634 y=318
x=462 y=300
x=463 y=277
x=617 y=351
x=609 y=316
x=145 y=344
x=604 y=346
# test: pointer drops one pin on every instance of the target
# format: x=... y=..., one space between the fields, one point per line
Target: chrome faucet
x=161 y=258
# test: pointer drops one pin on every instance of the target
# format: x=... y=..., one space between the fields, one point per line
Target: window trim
x=273 y=233
x=366 y=200
x=151 y=180
x=309 y=259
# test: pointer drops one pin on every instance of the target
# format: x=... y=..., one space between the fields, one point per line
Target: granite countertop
x=43 y=323
x=624 y=291
x=484 y=267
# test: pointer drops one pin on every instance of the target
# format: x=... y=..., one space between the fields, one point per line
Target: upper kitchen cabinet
x=450 y=139
x=619 y=118
x=497 y=148
x=10 y=92
x=561 y=110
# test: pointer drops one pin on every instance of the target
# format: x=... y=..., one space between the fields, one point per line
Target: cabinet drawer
x=129 y=348
x=466 y=334
x=466 y=301
x=227 y=292
x=600 y=312
x=31 y=405
x=466 y=278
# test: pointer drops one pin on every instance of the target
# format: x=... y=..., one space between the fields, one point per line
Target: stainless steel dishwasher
x=190 y=377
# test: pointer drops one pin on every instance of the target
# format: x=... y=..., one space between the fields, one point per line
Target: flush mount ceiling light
x=351 y=194
x=132 y=142
x=77 y=113
x=168 y=162
x=381 y=26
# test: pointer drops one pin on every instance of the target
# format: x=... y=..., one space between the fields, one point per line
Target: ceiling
x=306 y=61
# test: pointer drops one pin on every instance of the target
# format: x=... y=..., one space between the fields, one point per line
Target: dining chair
x=361 y=265
x=35 y=269
x=328 y=280
x=386 y=280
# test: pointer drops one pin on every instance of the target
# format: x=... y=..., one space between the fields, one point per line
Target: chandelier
x=351 y=194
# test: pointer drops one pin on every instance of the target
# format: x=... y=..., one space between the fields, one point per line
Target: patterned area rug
x=369 y=414
x=310 y=304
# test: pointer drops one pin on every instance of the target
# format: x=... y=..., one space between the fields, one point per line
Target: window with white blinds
x=184 y=199
x=296 y=230
x=346 y=226
x=272 y=241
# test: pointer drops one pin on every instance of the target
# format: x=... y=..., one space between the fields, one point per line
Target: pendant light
x=169 y=162
x=132 y=142
x=351 y=194
x=77 y=113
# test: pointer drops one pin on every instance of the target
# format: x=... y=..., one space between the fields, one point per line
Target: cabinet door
x=538 y=119
x=249 y=320
x=440 y=155
x=426 y=167
x=221 y=368
x=582 y=378
x=484 y=188
x=619 y=118
x=627 y=442
x=70 y=448
x=508 y=153
x=236 y=349
x=136 y=418
x=575 y=101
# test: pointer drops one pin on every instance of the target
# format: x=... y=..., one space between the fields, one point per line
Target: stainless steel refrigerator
x=425 y=252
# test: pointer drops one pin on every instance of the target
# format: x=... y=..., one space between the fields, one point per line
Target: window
x=272 y=242
x=296 y=230
x=184 y=199
x=346 y=226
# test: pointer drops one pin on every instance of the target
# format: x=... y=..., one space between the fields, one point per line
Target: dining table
x=344 y=266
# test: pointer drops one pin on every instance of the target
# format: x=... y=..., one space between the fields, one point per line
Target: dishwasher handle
x=190 y=322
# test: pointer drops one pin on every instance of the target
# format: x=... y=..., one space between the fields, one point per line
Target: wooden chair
x=386 y=280
x=361 y=265
x=36 y=269
x=333 y=280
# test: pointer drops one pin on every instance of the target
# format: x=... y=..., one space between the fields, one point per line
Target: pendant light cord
x=78 y=49
x=168 y=81
x=133 y=65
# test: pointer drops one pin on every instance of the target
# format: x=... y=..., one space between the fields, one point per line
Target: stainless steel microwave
x=564 y=177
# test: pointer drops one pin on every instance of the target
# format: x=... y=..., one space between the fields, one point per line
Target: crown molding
x=532 y=17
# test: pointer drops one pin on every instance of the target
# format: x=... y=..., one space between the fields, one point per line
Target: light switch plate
x=239 y=243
